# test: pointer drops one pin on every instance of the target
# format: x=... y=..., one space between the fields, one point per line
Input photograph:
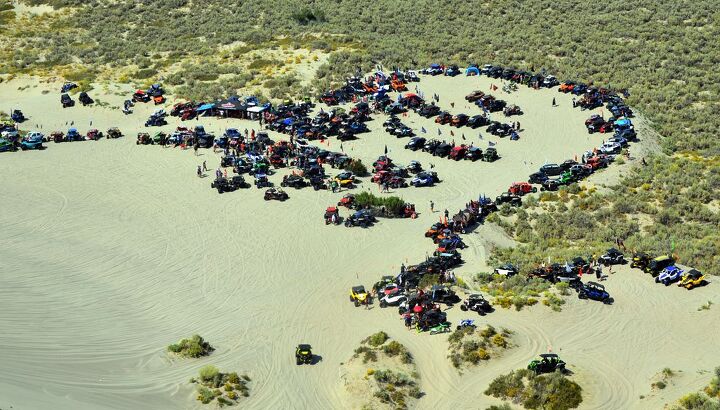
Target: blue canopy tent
x=472 y=70
x=205 y=109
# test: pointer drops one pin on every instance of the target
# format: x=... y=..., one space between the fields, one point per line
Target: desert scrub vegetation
x=380 y=344
x=392 y=379
x=357 y=167
x=551 y=391
x=519 y=291
x=672 y=193
x=470 y=346
x=662 y=379
x=194 y=347
x=392 y=205
x=394 y=388
x=707 y=399
x=224 y=388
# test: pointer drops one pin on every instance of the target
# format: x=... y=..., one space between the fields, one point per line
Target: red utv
x=329 y=99
x=597 y=161
x=141 y=96
x=566 y=87
x=458 y=152
x=332 y=216
x=521 y=188
x=277 y=161
x=187 y=114
x=347 y=201
x=93 y=135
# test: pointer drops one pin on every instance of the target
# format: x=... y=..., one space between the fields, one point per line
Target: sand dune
x=111 y=251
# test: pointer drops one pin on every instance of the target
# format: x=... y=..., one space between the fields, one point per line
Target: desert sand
x=111 y=251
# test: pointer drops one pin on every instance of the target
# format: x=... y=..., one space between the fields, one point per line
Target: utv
x=548 y=363
x=303 y=354
x=476 y=303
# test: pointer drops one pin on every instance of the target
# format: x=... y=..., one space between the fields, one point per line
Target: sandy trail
x=111 y=251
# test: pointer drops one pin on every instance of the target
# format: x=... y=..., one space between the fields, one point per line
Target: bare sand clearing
x=109 y=252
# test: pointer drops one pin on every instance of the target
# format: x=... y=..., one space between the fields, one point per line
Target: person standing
x=199 y=171
x=432 y=207
x=446 y=214
x=554 y=104
x=204 y=166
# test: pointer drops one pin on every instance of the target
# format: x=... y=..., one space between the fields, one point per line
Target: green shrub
x=377 y=339
x=370 y=356
x=489 y=331
x=659 y=385
x=233 y=378
x=503 y=406
x=357 y=167
x=393 y=348
x=205 y=395
x=388 y=205
x=499 y=341
x=193 y=347
x=428 y=281
x=694 y=401
x=563 y=288
x=551 y=391
x=224 y=402
x=208 y=372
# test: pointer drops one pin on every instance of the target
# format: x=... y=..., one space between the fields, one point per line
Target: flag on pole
x=463 y=136
x=439 y=132
x=424 y=131
x=452 y=133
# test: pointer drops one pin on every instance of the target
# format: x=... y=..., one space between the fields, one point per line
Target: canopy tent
x=206 y=107
x=254 y=112
x=257 y=109
x=472 y=70
x=232 y=108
